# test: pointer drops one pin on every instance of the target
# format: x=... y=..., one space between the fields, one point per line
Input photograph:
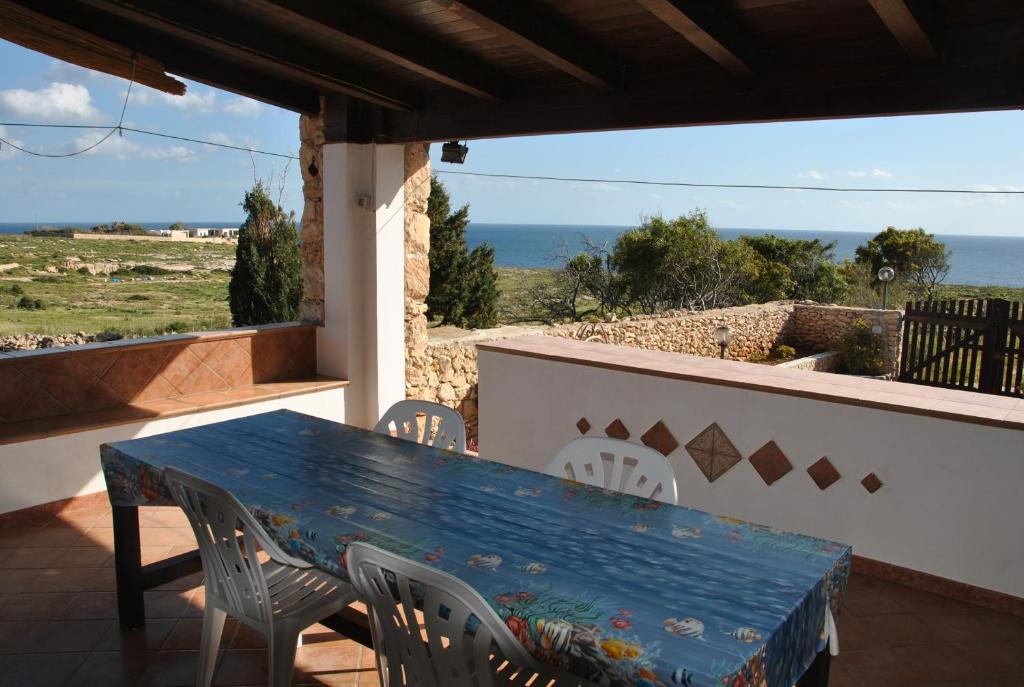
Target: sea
x=976 y=260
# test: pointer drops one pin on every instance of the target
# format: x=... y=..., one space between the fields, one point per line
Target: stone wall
x=311 y=163
x=755 y=330
x=819 y=362
x=823 y=327
x=417 y=269
x=446 y=372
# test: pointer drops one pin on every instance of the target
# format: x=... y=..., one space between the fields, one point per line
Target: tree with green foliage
x=463 y=284
x=266 y=281
x=800 y=269
x=680 y=263
x=919 y=260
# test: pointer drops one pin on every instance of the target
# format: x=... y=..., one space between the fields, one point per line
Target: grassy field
x=193 y=295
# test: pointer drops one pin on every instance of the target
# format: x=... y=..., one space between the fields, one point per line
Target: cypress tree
x=463 y=285
x=266 y=281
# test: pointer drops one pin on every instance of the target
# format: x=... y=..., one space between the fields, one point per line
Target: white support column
x=363 y=334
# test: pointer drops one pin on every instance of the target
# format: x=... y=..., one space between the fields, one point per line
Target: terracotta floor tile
x=839 y=676
x=935 y=663
x=870 y=602
x=16 y=581
x=996 y=660
x=167 y=604
x=169 y=536
x=242 y=667
x=112 y=669
x=196 y=604
x=137 y=640
x=967 y=627
x=187 y=634
x=163 y=517
x=14 y=536
x=42 y=606
x=153 y=554
x=91 y=606
x=31 y=557
x=84 y=557
x=880 y=668
x=50 y=636
x=74 y=579
x=39 y=670
x=51 y=537
x=100 y=535
x=173 y=669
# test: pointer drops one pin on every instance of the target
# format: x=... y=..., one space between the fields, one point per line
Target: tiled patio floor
x=57 y=625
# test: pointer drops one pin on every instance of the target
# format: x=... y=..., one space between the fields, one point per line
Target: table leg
x=131 y=609
x=817 y=674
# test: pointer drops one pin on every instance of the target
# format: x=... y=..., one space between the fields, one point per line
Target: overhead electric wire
x=645 y=182
x=495 y=175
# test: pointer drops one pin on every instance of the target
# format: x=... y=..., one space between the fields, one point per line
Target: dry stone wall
x=446 y=372
x=823 y=327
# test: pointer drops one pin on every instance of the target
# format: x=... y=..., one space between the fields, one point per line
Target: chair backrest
x=441 y=427
x=444 y=652
x=228 y=536
x=617 y=465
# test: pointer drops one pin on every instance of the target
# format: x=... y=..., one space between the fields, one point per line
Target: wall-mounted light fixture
x=454 y=152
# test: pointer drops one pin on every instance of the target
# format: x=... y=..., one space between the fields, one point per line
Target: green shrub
x=178 y=327
x=17 y=290
x=145 y=270
x=785 y=352
x=138 y=297
x=84 y=270
x=29 y=303
x=861 y=351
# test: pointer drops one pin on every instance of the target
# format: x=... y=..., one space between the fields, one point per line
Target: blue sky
x=140 y=178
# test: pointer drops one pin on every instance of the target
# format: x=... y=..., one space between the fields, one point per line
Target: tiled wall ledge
x=961 y=406
x=57 y=391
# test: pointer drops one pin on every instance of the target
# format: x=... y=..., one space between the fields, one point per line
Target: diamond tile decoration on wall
x=660 y=439
x=617 y=430
x=823 y=473
x=583 y=425
x=713 y=453
x=871 y=483
x=771 y=463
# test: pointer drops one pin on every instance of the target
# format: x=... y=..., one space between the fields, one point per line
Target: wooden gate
x=976 y=345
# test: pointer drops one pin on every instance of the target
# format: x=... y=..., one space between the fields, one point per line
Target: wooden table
x=608 y=587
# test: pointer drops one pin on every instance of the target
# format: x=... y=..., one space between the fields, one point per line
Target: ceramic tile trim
x=154 y=341
x=57 y=425
x=911 y=399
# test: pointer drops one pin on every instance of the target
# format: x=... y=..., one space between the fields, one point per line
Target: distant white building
x=198 y=232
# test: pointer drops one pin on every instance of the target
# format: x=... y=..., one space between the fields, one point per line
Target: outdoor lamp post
x=722 y=336
x=886 y=275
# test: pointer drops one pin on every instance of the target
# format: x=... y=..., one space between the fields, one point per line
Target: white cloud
x=193 y=101
x=223 y=139
x=56 y=102
x=243 y=107
x=811 y=174
x=873 y=174
x=176 y=153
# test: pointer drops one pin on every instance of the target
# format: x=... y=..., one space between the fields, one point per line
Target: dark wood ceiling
x=401 y=70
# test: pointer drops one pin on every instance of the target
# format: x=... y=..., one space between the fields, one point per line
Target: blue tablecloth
x=616 y=589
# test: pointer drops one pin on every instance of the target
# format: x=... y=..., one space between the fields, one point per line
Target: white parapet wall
x=950 y=464
x=60 y=467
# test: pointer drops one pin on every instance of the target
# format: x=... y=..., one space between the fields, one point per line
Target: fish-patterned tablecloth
x=612 y=588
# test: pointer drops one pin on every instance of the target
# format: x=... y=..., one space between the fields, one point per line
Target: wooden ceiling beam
x=184 y=60
x=908 y=26
x=64 y=42
x=230 y=36
x=710 y=31
x=354 y=26
x=536 y=30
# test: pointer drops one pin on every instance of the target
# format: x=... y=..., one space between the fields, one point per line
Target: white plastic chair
x=635 y=469
x=443 y=653
x=402 y=420
x=278 y=598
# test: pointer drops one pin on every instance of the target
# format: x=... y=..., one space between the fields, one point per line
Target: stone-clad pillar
x=311 y=164
x=417 y=267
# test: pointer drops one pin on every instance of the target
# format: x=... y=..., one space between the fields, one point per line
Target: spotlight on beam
x=454 y=152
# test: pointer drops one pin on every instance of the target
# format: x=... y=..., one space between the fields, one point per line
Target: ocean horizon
x=976 y=261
